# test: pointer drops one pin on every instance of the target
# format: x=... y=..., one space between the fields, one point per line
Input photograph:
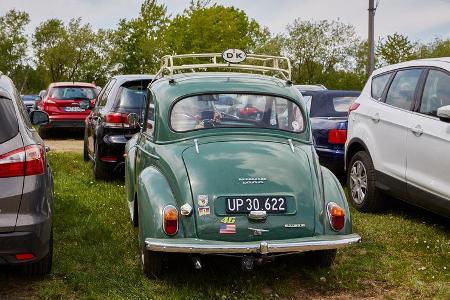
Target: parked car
x=107 y=129
x=30 y=101
x=399 y=137
x=202 y=182
x=62 y=103
x=310 y=87
x=328 y=111
x=26 y=186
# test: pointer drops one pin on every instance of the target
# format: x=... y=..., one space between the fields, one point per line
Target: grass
x=405 y=254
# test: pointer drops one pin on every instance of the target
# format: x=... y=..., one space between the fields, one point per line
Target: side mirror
x=133 y=120
x=85 y=104
x=38 y=117
x=443 y=113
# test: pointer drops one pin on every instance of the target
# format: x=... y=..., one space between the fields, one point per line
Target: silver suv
x=26 y=186
x=399 y=137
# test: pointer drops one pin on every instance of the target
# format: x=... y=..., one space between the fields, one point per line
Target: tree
x=13 y=41
x=138 y=44
x=395 y=48
x=316 y=49
x=436 y=48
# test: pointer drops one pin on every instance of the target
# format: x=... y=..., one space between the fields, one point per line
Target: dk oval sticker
x=234 y=56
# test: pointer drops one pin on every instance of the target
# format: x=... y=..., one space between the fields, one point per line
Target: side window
x=150 y=115
x=401 y=91
x=436 y=92
x=378 y=85
x=22 y=109
x=103 y=96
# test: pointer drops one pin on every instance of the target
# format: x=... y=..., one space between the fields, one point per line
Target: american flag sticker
x=227 y=228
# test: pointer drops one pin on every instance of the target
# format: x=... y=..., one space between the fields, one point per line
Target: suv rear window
x=8 y=120
x=378 y=85
x=133 y=94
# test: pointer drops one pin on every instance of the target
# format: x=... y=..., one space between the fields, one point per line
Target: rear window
x=8 y=120
x=71 y=93
x=326 y=106
x=133 y=94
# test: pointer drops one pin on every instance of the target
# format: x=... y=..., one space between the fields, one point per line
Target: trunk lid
x=250 y=169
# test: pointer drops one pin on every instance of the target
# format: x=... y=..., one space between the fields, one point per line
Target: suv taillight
x=353 y=107
x=117 y=120
x=337 y=136
x=22 y=162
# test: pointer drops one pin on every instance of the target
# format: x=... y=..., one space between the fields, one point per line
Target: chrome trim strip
x=291 y=145
x=263 y=247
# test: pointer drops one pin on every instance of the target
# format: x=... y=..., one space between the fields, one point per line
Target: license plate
x=73 y=109
x=270 y=204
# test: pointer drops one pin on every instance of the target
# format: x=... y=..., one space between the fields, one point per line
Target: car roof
x=132 y=77
x=436 y=62
x=69 y=83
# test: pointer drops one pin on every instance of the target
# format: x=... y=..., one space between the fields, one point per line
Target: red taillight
x=24 y=256
x=337 y=136
x=108 y=158
x=336 y=216
x=22 y=162
x=248 y=111
x=116 y=120
x=170 y=224
x=353 y=107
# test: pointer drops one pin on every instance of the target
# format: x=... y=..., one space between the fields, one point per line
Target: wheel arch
x=354 y=146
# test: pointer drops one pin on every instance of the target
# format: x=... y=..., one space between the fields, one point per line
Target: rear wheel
x=101 y=170
x=44 y=265
x=85 y=146
x=361 y=180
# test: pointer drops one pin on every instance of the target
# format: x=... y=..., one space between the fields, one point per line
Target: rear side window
x=401 y=91
x=8 y=120
x=436 y=92
x=103 y=97
x=133 y=94
x=378 y=85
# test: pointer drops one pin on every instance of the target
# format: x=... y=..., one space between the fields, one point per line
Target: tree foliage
x=395 y=48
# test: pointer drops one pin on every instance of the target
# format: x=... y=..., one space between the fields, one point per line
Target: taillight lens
x=116 y=120
x=248 y=111
x=170 y=224
x=24 y=256
x=337 y=136
x=22 y=162
x=353 y=107
x=336 y=216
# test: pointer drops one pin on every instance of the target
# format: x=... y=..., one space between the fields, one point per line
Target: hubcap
x=358 y=182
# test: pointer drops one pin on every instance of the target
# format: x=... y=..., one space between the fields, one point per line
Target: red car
x=64 y=101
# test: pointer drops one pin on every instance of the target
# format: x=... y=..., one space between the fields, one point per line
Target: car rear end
x=115 y=129
x=329 y=121
x=64 y=104
x=25 y=191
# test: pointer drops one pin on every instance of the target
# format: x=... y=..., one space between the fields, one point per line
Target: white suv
x=399 y=137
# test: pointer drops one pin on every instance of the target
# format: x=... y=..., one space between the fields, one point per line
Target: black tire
x=43 y=132
x=44 y=265
x=372 y=201
x=321 y=259
x=85 y=146
x=151 y=263
x=135 y=219
x=101 y=170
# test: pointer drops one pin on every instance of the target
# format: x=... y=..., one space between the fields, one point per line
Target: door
x=428 y=144
x=390 y=122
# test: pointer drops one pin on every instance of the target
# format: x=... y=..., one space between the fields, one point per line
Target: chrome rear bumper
x=199 y=246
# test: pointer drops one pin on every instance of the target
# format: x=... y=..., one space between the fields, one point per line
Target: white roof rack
x=276 y=65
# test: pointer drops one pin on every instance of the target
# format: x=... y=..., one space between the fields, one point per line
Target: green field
x=405 y=254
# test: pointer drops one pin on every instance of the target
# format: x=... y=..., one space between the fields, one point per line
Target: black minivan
x=107 y=129
x=26 y=186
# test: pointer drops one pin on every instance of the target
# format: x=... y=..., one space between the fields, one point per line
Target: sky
x=421 y=20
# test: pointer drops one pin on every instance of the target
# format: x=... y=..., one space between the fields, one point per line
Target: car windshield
x=70 y=93
x=236 y=110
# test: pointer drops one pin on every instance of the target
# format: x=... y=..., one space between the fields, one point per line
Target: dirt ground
x=65 y=141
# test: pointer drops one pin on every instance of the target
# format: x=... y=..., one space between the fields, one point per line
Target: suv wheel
x=364 y=196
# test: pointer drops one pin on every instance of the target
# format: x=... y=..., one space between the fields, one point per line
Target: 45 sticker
x=228 y=220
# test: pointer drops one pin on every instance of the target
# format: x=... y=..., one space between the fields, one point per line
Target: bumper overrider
x=199 y=246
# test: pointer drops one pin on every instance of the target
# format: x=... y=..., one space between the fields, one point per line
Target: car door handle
x=418 y=131
x=376 y=118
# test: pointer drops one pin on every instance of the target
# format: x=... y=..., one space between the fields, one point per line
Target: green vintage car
x=203 y=181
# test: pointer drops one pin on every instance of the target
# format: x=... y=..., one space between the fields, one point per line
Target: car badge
x=252 y=180
x=258 y=231
x=294 y=225
x=202 y=200
x=203 y=211
x=234 y=56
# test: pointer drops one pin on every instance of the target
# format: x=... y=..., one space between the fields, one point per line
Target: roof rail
x=276 y=65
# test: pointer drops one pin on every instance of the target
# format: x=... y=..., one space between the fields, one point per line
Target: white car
x=399 y=137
